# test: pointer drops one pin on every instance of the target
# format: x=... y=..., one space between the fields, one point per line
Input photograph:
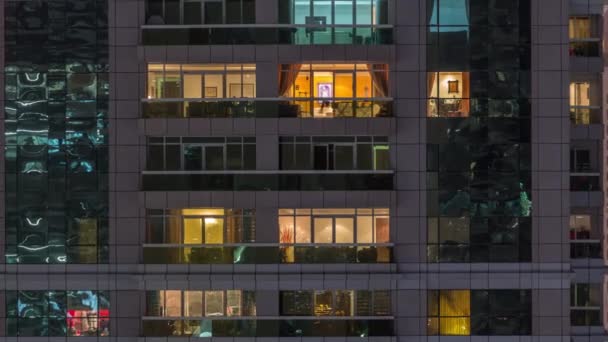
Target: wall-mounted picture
x=453 y=87
x=325 y=90
x=210 y=92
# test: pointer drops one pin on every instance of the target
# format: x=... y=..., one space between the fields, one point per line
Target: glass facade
x=201 y=154
x=478 y=131
x=57 y=313
x=586 y=304
x=334 y=153
x=56 y=105
x=479 y=312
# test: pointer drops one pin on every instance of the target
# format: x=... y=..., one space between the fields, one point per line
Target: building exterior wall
x=126 y=276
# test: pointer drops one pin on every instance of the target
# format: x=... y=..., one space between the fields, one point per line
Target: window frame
x=288 y=147
x=204 y=70
x=202 y=13
x=230 y=215
x=355 y=295
x=184 y=142
x=355 y=216
x=203 y=309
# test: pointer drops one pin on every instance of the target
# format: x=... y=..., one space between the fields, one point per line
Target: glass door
x=344 y=157
x=193 y=158
x=193 y=12
x=321 y=157
x=213 y=12
x=214 y=157
x=345 y=229
x=344 y=88
x=214 y=230
x=323 y=231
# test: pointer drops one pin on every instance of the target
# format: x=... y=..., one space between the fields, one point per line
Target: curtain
x=287 y=76
x=431 y=78
x=465 y=104
x=379 y=74
x=432 y=8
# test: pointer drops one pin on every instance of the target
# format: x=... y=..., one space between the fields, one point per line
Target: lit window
x=176 y=303
x=335 y=303
x=449 y=94
x=579 y=28
x=326 y=226
x=580 y=227
x=328 y=90
x=201 y=81
x=449 y=312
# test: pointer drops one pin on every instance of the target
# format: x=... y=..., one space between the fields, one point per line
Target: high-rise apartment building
x=382 y=170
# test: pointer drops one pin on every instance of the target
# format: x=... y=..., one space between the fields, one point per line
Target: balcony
x=268 y=254
x=277 y=34
x=266 y=108
x=269 y=327
x=308 y=180
x=585 y=182
x=585 y=48
x=585 y=249
x=585 y=115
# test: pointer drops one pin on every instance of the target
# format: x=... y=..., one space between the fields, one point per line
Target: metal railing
x=259 y=253
x=260 y=34
x=268 y=108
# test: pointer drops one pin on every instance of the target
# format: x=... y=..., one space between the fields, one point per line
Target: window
x=580 y=94
x=584 y=103
x=479 y=312
x=57 y=313
x=201 y=154
x=350 y=235
x=580 y=227
x=580 y=28
x=580 y=160
x=200 y=226
x=449 y=94
x=449 y=312
x=356 y=18
x=585 y=304
x=329 y=226
x=466 y=239
x=585 y=238
x=191 y=303
x=201 y=81
x=196 y=12
x=584 y=33
x=328 y=90
x=334 y=153
x=343 y=12
x=335 y=303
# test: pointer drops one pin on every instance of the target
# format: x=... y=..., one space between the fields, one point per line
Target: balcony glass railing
x=267 y=181
x=266 y=108
x=585 y=182
x=267 y=254
x=585 y=48
x=267 y=34
x=585 y=249
x=270 y=327
x=585 y=115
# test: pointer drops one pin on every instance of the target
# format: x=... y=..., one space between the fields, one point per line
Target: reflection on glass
x=449 y=312
x=57 y=313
